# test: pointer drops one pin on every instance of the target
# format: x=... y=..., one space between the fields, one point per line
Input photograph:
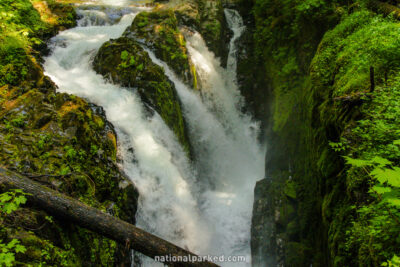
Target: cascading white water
x=235 y=23
x=204 y=206
x=162 y=172
x=229 y=160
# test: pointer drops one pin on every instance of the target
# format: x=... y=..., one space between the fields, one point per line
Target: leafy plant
x=384 y=215
x=124 y=55
x=10 y=202
x=8 y=251
x=126 y=60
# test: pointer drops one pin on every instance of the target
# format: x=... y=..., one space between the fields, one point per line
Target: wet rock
x=62 y=142
x=263 y=227
x=214 y=28
x=208 y=18
x=158 y=30
x=275 y=223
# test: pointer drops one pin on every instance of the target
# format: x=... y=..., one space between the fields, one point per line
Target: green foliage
x=164 y=36
x=73 y=155
x=374 y=158
x=395 y=261
x=44 y=142
x=19 y=23
x=124 y=55
x=53 y=151
x=8 y=251
x=127 y=61
x=361 y=41
x=10 y=202
x=339 y=146
x=360 y=205
x=21 y=28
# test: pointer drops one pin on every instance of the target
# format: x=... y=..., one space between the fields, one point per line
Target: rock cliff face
x=208 y=18
x=311 y=88
x=60 y=141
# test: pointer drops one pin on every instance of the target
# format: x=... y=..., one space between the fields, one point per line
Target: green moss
x=61 y=139
x=308 y=113
x=150 y=80
x=364 y=41
x=22 y=28
x=159 y=31
x=213 y=27
x=310 y=110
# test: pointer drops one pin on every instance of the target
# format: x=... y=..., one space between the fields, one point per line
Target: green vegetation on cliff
x=318 y=57
x=22 y=30
x=56 y=139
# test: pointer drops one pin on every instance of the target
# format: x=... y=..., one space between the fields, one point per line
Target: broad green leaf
x=20 y=249
x=18 y=191
x=12 y=243
x=396 y=142
x=391 y=176
x=20 y=200
x=357 y=162
x=394 y=202
x=7 y=259
x=381 y=161
x=5 y=197
x=381 y=189
x=380 y=175
x=10 y=207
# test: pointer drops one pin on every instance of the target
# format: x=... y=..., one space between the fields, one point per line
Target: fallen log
x=70 y=209
x=354 y=98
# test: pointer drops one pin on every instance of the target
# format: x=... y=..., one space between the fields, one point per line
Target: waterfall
x=204 y=206
x=235 y=23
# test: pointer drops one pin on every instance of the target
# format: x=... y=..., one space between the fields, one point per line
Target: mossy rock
x=59 y=140
x=158 y=30
x=66 y=144
x=214 y=28
x=208 y=18
x=188 y=14
x=125 y=62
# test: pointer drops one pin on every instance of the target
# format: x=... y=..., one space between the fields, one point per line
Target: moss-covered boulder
x=125 y=62
x=65 y=143
x=208 y=18
x=158 y=30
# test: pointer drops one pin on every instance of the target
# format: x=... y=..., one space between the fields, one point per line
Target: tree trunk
x=67 y=208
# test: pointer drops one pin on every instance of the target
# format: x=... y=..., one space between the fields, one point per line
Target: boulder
x=158 y=30
x=123 y=61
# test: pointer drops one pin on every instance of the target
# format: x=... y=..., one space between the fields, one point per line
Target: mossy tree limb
x=72 y=210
